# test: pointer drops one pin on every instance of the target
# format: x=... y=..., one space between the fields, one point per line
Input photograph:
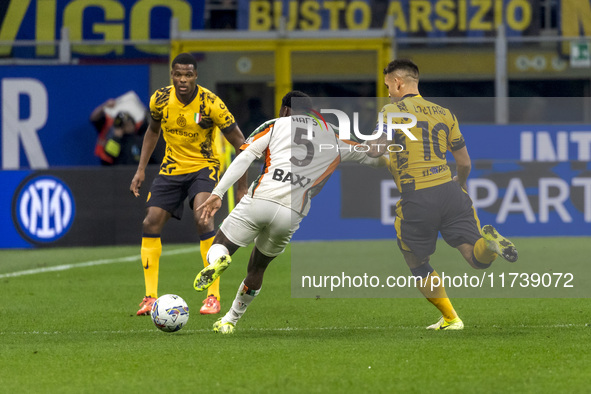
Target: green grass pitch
x=75 y=331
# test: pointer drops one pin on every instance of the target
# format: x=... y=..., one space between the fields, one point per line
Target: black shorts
x=422 y=214
x=170 y=191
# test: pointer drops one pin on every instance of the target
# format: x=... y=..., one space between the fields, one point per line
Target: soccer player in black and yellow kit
x=189 y=116
x=431 y=200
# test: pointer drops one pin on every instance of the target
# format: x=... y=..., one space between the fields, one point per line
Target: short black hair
x=184 y=58
x=405 y=65
x=286 y=101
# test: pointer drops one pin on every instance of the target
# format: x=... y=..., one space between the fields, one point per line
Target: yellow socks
x=436 y=295
x=151 y=251
x=205 y=244
x=482 y=255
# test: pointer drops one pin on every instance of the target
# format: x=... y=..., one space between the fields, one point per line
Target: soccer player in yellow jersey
x=188 y=115
x=431 y=200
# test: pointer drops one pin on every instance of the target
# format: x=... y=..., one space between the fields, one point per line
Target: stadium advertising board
x=526 y=179
x=520 y=199
x=529 y=180
x=112 y=20
x=44 y=116
x=78 y=207
x=84 y=207
x=416 y=17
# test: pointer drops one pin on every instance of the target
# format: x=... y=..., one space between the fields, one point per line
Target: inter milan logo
x=181 y=121
x=44 y=209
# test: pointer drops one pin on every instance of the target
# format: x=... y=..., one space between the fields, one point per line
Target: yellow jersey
x=423 y=162
x=189 y=130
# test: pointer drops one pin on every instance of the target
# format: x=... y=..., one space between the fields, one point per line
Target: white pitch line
x=254 y=329
x=65 y=267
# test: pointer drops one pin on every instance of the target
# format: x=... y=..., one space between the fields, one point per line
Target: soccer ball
x=170 y=313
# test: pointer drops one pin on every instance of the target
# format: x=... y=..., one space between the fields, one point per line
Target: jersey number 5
x=299 y=140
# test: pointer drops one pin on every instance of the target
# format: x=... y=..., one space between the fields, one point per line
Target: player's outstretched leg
x=499 y=244
x=209 y=274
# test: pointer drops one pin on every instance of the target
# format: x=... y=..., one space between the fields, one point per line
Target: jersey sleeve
x=260 y=137
x=220 y=114
x=158 y=101
x=456 y=139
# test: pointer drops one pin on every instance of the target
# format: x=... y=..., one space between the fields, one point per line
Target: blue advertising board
x=520 y=199
x=528 y=143
x=86 y=207
x=82 y=206
x=526 y=180
x=11 y=181
x=45 y=111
